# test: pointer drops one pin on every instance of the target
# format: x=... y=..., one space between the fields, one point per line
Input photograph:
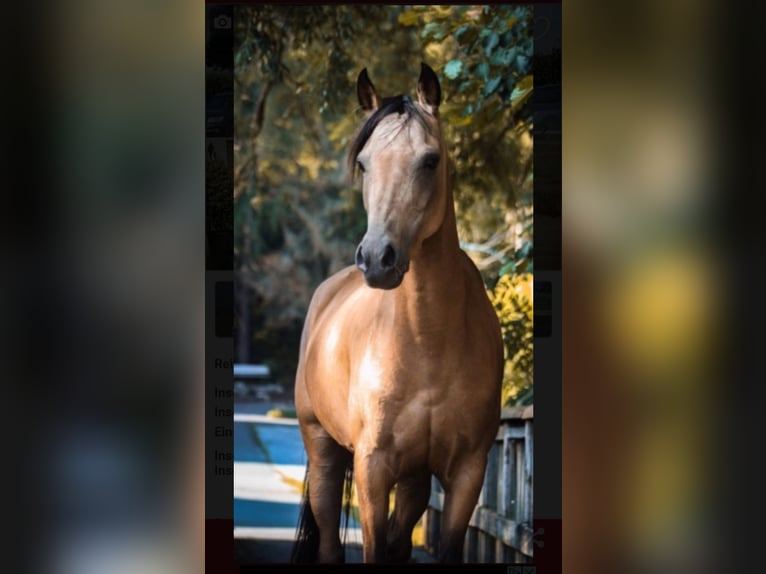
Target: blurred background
x=104 y=326
x=647 y=306
x=104 y=330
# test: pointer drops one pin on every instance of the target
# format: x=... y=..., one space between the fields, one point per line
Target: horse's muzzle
x=381 y=267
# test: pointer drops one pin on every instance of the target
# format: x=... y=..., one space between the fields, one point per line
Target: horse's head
x=404 y=169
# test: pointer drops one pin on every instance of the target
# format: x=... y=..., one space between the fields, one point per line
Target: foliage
x=485 y=53
x=512 y=299
x=298 y=217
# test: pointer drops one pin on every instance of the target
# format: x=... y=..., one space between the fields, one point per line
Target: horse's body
x=401 y=356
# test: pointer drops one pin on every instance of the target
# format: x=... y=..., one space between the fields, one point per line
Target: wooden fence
x=500 y=530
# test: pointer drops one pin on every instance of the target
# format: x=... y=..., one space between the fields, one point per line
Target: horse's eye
x=360 y=166
x=430 y=162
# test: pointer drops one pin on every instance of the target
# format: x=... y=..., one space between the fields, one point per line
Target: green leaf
x=509 y=267
x=522 y=63
x=433 y=29
x=491 y=86
x=522 y=90
x=510 y=55
x=461 y=122
x=466 y=37
x=491 y=43
x=483 y=71
x=525 y=251
x=409 y=18
x=453 y=69
x=499 y=58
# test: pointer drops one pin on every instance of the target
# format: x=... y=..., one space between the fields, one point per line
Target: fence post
x=504 y=498
x=528 y=466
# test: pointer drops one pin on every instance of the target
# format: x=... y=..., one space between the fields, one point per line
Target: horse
x=401 y=356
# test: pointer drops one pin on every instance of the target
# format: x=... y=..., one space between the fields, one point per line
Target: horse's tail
x=306 y=547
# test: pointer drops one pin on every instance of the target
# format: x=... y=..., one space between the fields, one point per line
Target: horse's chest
x=399 y=371
x=392 y=394
x=380 y=383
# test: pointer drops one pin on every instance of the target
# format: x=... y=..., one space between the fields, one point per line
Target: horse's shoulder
x=347 y=278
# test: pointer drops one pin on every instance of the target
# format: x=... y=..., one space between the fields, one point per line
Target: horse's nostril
x=361 y=260
x=389 y=257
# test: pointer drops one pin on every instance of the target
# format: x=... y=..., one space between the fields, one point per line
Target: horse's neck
x=440 y=254
x=434 y=288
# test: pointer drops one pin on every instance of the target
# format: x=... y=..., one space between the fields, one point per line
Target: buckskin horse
x=401 y=356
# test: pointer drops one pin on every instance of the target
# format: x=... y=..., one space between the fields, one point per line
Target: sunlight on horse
x=401 y=357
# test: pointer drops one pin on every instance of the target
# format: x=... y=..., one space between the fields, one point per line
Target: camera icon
x=222 y=22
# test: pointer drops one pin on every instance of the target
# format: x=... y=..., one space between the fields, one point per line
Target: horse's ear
x=429 y=91
x=365 y=91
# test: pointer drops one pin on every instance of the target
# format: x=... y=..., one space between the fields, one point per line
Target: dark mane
x=401 y=104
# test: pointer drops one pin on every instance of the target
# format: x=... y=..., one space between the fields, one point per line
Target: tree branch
x=255 y=128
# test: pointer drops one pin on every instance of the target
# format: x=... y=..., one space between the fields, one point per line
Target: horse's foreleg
x=374 y=481
x=327 y=467
x=461 y=492
x=411 y=501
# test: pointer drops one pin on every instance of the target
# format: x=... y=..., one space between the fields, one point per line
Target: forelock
x=401 y=104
